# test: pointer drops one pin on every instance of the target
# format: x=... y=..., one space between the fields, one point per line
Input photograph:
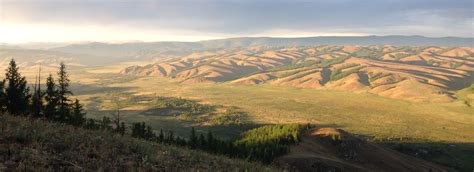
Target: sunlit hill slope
x=414 y=73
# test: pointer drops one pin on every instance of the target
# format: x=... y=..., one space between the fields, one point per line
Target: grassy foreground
x=32 y=144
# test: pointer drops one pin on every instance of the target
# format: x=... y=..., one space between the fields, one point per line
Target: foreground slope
x=414 y=73
x=329 y=149
x=40 y=145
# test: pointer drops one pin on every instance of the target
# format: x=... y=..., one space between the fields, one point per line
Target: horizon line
x=224 y=38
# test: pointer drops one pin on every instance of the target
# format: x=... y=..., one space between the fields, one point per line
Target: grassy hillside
x=360 y=113
x=410 y=73
x=30 y=144
x=329 y=149
x=466 y=95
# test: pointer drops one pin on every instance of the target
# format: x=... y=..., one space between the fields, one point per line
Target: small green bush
x=339 y=73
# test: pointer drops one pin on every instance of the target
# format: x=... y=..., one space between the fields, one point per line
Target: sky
x=193 y=20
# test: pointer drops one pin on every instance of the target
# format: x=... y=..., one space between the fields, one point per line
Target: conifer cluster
x=53 y=103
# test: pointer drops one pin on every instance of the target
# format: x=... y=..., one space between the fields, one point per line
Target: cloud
x=251 y=17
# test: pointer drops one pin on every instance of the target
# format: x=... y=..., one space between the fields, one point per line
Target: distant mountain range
x=157 y=50
x=335 y=40
x=102 y=49
x=97 y=53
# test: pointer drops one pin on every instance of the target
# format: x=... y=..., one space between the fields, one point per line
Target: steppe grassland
x=360 y=113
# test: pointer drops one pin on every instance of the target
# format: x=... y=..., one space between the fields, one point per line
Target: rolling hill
x=140 y=49
x=421 y=73
x=30 y=59
x=100 y=53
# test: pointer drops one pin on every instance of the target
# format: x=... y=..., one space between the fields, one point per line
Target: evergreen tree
x=122 y=129
x=64 y=110
x=170 y=137
x=211 y=142
x=161 y=137
x=117 y=123
x=37 y=99
x=51 y=98
x=149 y=134
x=37 y=106
x=77 y=117
x=136 y=130
x=105 y=123
x=139 y=130
x=3 y=97
x=202 y=144
x=91 y=124
x=193 y=138
x=180 y=141
x=17 y=91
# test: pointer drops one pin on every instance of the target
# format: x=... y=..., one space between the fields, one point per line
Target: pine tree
x=122 y=128
x=139 y=130
x=142 y=130
x=17 y=91
x=64 y=110
x=149 y=134
x=37 y=106
x=170 y=137
x=117 y=122
x=202 y=144
x=51 y=98
x=91 y=124
x=136 y=130
x=180 y=141
x=3 y=97
x=210 y=142
x=77 y=117
x=105 y=123
x=161 y=137
x=193 y=138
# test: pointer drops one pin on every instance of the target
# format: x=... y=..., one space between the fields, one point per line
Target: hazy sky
x=191 y=20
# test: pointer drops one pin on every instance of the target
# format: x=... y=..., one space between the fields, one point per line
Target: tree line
x=54 y=103
x=259 y=144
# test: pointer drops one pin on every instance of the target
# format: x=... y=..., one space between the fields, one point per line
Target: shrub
x=229 y=117
x=456 y=64
x=189 y=106
x=339 y=73
x=378 y=76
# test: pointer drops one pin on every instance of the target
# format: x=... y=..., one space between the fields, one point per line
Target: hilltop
x=330 y=149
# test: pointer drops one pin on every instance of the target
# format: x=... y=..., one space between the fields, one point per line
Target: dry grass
x=32 y=145
x=432 y=76
x=360 y=113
